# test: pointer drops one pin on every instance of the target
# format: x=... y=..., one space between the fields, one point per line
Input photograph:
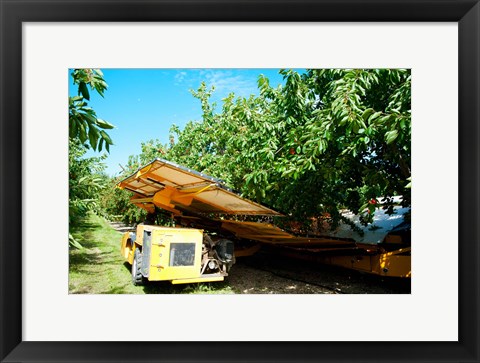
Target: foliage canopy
x=325 y=141
x=86 y=175
x=84 y=124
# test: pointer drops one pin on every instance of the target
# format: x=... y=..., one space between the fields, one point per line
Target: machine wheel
x=137 y=277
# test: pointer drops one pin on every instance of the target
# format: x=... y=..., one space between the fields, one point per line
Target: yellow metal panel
x=130 y=256
x=175 y=175
x=184 y=199
x=126 y=251
x=163 y=197
x=229 y=202
x=394 y=265
x=139 y=239
x=162 y=239
x=194 y=191
x=205 y=278
x=123 y=245
x=143 y=171
x=388 y=264
x=268 y=233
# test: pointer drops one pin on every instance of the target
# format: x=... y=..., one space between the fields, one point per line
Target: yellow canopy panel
x=268 y=233
x=178 y=189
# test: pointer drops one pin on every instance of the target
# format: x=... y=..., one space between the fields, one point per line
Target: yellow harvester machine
x=209 y=233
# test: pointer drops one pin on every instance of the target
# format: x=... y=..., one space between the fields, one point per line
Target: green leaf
x=73 y=242
x=89 y=118
x=409 y=185
x=82 y=132
x=374 y=116
x=355 y=127
x=104 y=124
x=93 y=137
x=83 y=89
x=108 y=140
x=390 y=136
x=73 y=127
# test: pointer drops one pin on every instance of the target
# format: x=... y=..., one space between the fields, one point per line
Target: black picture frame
x=14 y=13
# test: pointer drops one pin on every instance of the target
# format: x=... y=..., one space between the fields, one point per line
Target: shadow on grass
x=166 y=287
x=116 y=290
x=89 y=255
x=78 y=260
x=84 y=232
x=82 y=225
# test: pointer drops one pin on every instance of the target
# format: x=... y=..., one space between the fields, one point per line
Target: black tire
x=137 y=277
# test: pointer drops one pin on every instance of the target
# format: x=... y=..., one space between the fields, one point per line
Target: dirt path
x=121 y=227
x=273 y=274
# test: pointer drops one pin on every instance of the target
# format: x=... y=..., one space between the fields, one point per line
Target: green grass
x=99 y=268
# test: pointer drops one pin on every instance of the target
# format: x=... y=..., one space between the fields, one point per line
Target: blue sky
x=144 y=103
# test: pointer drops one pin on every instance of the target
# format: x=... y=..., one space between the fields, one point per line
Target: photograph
x=239 y=181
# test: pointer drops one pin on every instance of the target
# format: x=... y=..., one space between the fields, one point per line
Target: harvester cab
x=180 y=255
